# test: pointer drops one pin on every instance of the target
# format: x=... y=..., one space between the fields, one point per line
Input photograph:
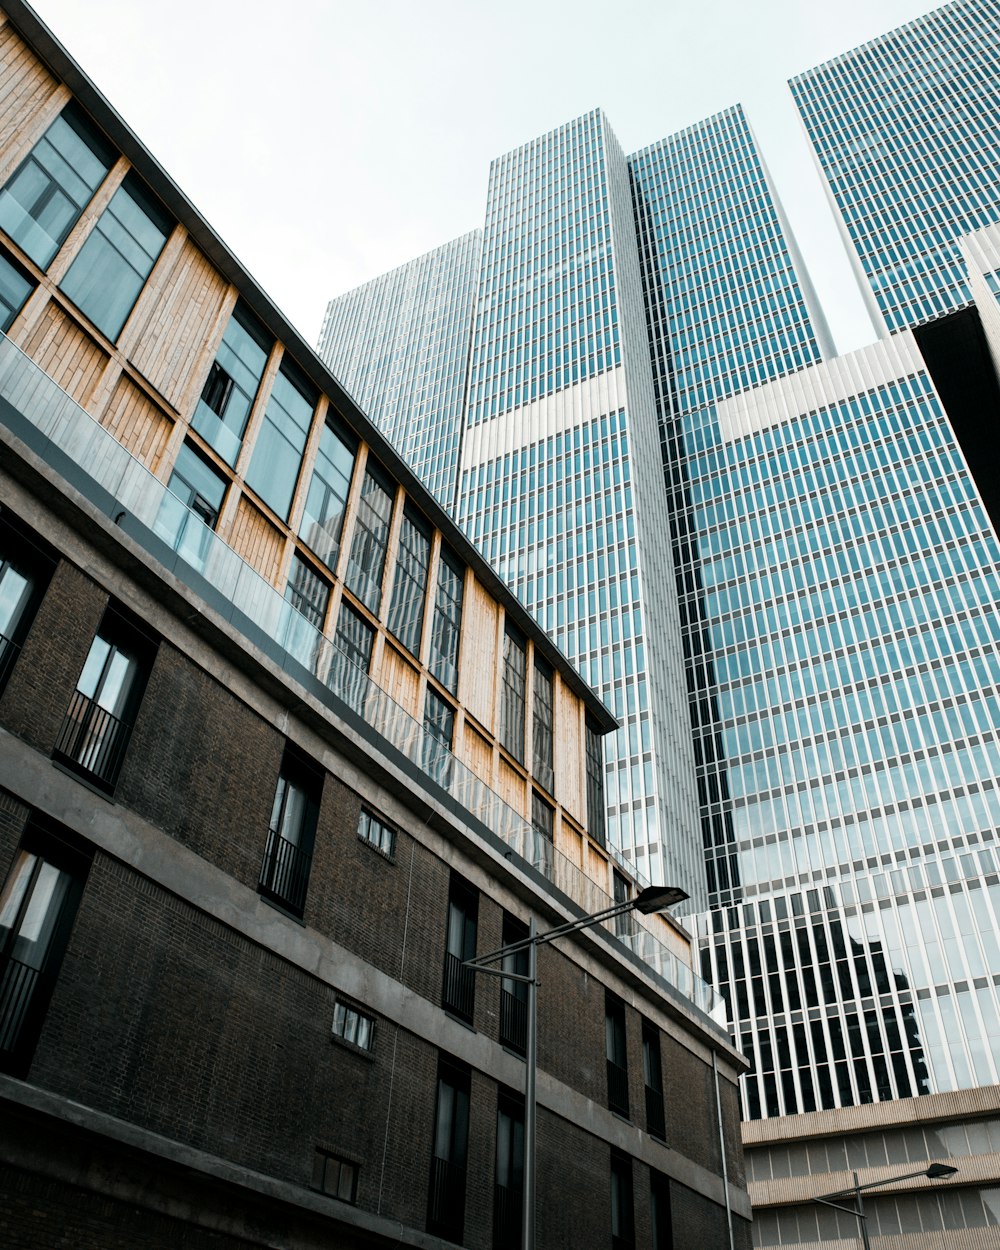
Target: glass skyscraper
x=904 y=130
x=401 y=345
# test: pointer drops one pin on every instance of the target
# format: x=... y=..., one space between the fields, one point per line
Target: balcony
x=18 y=985
x=73 y=444
x=617 y=1088
x=458 y=993
x=655 y=1119
x=93 y=740
x=284 y=874
x=513 y=1021
x=446 y=1201
x=507 y=1217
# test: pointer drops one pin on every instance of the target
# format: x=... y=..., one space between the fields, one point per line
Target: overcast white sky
x=329 y=141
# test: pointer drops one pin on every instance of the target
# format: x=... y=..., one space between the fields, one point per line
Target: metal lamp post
x=655 y=898
x=933 y=1172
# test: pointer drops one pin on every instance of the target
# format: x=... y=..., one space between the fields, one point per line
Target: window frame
x=388 y=834
x=458 y=983
x=513 y=692
x=285 y=870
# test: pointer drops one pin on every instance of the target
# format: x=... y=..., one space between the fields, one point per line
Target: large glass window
x=542 y=820
x=446 y=625
x=439 y=722
x=277 y=457
x=284 y=874
x=459 y=985
x=37 y=908
x=371 y=537
x=15 y=287
x=596 y=809
x=541 y=727
x=449 y=1157
x=24 y=574
x=509 y=1185
x=351 y=656
x=189 y=512
x=323 y=517
x=512 y=694
x=227 y=397
x=43 y=199
x=101 y=713
x=117 y=257
x=409 y=587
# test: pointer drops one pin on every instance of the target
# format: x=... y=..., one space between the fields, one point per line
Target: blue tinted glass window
x=109 y=272
x=44 y=198
x=14 y=290
x=229 y=391
x=371 y=536
x=278 y=454
x=323 y=517
x=406 y=613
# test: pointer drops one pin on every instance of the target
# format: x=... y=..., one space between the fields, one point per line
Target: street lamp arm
x=941 y=1171
x=837 y=1207
x=481 y=962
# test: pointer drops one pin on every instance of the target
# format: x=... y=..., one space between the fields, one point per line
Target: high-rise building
x=904 y=130
x=413 y=386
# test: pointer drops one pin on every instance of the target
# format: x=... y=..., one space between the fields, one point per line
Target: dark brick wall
x=689 y=1102
x=36 y=697
x=574 y=1187
x=202 y=766
x=571 y=1025
x=697 y=1222
x=13 y=818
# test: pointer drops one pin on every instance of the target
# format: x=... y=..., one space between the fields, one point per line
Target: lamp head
x=656 y=898
x=938 y=1171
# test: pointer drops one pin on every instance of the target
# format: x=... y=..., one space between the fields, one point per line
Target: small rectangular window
x=596 y=809
x=371 y=537
x=449 y=1152
x=44 y=198
x=190 y=510
x=231 y=387
x=409 y=587
x=353 y=1026
x=542 y=727
x=350 y=656
x=117 y=257
x=284 y=873
x=512 y=694
x=326 y=502
x=15 y=287
x=98 y=723
x=277 y=455
x=377 y=833
x=335 y=1176
x=446 y=624
x=614 y=1037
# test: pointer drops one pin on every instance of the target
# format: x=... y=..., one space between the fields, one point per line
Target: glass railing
x=67 y=428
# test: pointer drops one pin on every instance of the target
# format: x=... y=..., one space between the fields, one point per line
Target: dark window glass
x=117 y=257
x=446 y=623
x=189 y=513
x=284 y=874
x=514 y=994
x=439 y=722
x=354 y=1026
x=98 y=724
x=623 y=892
x=15 y=288
x=409 y=587
x=512 y=695
x=459 y=984
x=509 y=1185
x=351 y=656
x=377 y=833
x=307 y=592
x=450 y=1153
x=44 y=198
x=277 y=456
x=231 y=387
x=652 y=1075
x=596 y=810
x=622 y=1207
x=660 y=1214
x=24 y=574
x=541 y=727
x=37 y=908
x=335 y=1176
x=542 y=819
x=371 y=536
x=614 y=1038
x=323 y=518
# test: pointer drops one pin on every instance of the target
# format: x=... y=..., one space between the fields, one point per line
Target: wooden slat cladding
x=570 y=766
x=181 y=324
x=512 y=788
x=256 y=540
x=25 y=84
x=137 y=423
x=67 y=354
x=399 y=680
x=477 y=752
x=478 y=675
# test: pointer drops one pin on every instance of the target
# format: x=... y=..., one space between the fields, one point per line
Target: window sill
x=285 y=911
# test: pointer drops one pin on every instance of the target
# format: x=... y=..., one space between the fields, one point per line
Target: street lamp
x=933 y=1172
x=654 y=898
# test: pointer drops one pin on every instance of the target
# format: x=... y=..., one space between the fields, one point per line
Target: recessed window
x=371 y=536
x=509 y=1184
x=377 y=833
x=353 y=1026
x=458 y=991
x=335 y=1176
x=542 y=821
x=512 y=694
x=409 y=587
x=284 y=873
x=190 y=510
x=229 y=391
x=514 y=994
x=541 y=727
x=614 y=1038
x=446 y=622
x=596 y=809
x=98 y=724
x=15 y=287
x=450 y=1152
x=277 y=456
x=48 y=191
x=24 y=574
x=117 y=257
x=622 y=893
x=307 y=592
x=622 y=1205
x=350 y=656
x=439 y=722
x=652 y=1075
x=326 y=502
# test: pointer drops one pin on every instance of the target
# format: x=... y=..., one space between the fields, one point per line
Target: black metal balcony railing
x=513 y=1021
x=507 y=1217
x=446 y=1201
x=458 y=993
x=655 y=1120
x=93 y=739
x=284 y=874
x=617 y=1088
x=8 y=654
x=18 y=984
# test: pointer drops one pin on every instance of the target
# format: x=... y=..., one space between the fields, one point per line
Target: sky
x=327 y=142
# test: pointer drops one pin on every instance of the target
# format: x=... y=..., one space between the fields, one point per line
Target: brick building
x=278 y=751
